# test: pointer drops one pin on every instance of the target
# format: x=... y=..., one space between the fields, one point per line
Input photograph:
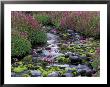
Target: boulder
x=75 y=60
x=35 y=73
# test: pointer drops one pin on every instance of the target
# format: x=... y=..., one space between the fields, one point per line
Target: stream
x=51 y=51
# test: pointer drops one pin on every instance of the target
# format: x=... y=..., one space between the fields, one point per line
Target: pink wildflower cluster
x=67 y=20
x=20 y=18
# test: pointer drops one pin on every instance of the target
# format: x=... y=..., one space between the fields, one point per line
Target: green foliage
x=19 y=46
x=30 y=66
x=89 y=27
x=63 y=60
x=62 y=72
x=27 y=59
x=74 y=71
x=83 y=49
x=96 y=64
x=57 y=23
x=38 y=37
x=43 y=19
x=19 y=69
x=45 y=72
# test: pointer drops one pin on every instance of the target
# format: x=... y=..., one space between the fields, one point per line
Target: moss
x=19 y=69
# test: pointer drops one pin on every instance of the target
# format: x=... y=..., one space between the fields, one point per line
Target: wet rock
x=81 y=72
x=61 y=66
x=75 y=60
x=53 y=74
x=35 y=73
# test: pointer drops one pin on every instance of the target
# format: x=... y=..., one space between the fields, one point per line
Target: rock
x=59 y=44
x=89 y=65
x=14 y=60
x=70 y=31
x=53 y=74
x=89 y=73
x=73 y=34
x=68 y=75
x=69 y=71
x=35 y=73
x=83 y=57
x=75 y=60
x=48 y=48
x=65 y=65
x=44 y=27
x=67 y=54
x=18 y=75
x=81 y=72
x=34 y=59
x=39 y=51
x=84 y=70
x=91 y=60
x=94 y=71
x=82 y=66
x=73 y=66
x=71 y=45
x=77 y=42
